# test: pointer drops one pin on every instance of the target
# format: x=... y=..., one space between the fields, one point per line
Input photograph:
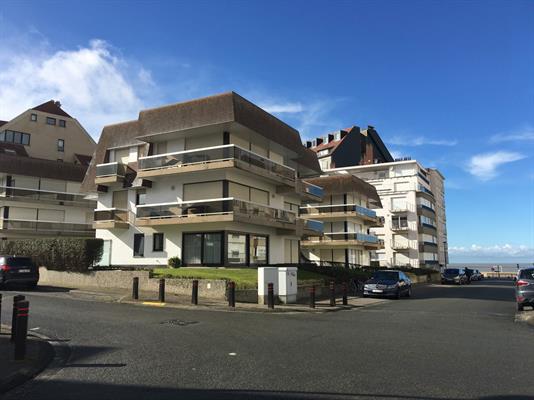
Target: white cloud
x=290 y=108
x=484 y=166
x=495 y=251
x=94 y=83
x=524 y=135
x=420 y=141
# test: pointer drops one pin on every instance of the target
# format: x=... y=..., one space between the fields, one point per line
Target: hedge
x=57 y=254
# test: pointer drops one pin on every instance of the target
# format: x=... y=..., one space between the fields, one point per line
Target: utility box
x=267 y=275
x=287 y=284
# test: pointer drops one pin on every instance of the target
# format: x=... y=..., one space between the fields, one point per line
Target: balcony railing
x=314 y=190
x=400 y=246
x=46 y=226
x=400 y=227
x=341 y=208
x=111 y=169
x=421 y=188
x=111 y=215
x=312 y=225
x=213 y=154
x=209 y=207
x=346 y=236
x=25 y=194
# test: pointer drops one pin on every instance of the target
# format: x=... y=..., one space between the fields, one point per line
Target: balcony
x=110 y=173
x=32 y=227
x=423 y=189
x=111 y=218
x=310 y=227
x=215 y=210
x=46 y=196
x=400 y=227
x=397 y=246
x=226 y=156
x=308 y=192
x=343 y=239
x=340 y=212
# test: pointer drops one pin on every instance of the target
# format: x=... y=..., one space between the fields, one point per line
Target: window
x=140 y=199
x=157 y=242
x=60 y=145
x=62 y=123
x=50 y=121
x=399 y=222
x=248 y=193
x=237 y=248
x=202 y=248
x=25 y=139
x=258 y=249
x=33 y=117
x=192 y=249
x=9 y=136
x=212 y=248
x=15 y=137
x=139 y=245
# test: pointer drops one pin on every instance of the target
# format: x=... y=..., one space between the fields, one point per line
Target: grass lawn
x=244 y=278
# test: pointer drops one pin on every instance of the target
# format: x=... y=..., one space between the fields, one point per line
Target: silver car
x=524 y=288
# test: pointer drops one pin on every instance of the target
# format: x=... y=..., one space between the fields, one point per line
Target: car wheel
x=520 y=307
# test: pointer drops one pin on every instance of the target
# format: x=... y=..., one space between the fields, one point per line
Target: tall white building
x=413 y=208
x=215 y=181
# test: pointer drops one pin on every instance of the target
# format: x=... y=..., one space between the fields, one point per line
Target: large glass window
x=237 y=248
x=158 y=241
x=192 y=251
x=258 y=249
x=212 y=248
x=139 y=245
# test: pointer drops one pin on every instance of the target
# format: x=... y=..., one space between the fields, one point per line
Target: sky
x=449 y=83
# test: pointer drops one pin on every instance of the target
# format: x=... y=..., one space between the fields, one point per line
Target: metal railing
x=400 y=246
x=399 y=227
x=314 y=190
x=213 y=207
x=312 y=225
x=45 y=226
x=213 y=154
x=111 y=215
x=110 y=169
x=421 y=188
x=344 y=236
x=339 y=208
x=45 y=195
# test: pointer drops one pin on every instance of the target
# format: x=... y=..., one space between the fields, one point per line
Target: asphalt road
x=445 y=343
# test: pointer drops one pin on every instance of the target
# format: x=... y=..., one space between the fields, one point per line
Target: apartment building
x=412 y=197
x=44 y=154
x=348 y=216
x=214 y=181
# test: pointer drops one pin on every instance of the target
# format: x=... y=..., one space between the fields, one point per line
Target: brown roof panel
x=339 y=184
x=12 y=164
x=14 y=149
x=52 y=107
x=3 y=123
x=83 y=159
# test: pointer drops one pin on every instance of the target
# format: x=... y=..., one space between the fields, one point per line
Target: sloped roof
x=52 y=107
x=3 y=123
x=29 y=166
x=83 y=159
x=340 y=184
x=17 y=148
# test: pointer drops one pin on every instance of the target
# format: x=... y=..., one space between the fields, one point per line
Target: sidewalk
x=150 y=299
x=39 y=353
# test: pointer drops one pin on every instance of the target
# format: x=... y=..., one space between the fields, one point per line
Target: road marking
x=34 y=329
x=153 y=303
x=232 y=354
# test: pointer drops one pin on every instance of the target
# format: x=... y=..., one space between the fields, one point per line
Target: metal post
x=231 y=294
x=162 y=290
x=270 y=295
x=332 y=294
x=194 y=297
x=16 y=299
x=312 y=297
x=345 y=301
x=135 y=288
x=0 y=312
x=23 y=309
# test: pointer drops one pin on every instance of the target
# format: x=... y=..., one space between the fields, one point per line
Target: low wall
x=207 y=288
x=433 y=277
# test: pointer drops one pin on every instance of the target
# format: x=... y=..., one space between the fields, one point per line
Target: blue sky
x=449 y=83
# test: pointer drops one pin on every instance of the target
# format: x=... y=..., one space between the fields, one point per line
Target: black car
x=454 y=275
x=388 y=283
x=18 y=270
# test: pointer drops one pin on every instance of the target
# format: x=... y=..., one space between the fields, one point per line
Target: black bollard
x=270 y=296
x=231 y=294
x=194 y=295
x=135 y=288
x=0 y=312
x=332 y=294
x=345 y=301
x=23 y=309
x=16 y=299
x=312 y=297
x=162 y=290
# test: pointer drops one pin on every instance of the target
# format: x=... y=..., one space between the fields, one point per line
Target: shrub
x=57 y=254
x=174 y=262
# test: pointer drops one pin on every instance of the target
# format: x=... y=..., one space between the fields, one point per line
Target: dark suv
x=524 y=288
x=18 y=270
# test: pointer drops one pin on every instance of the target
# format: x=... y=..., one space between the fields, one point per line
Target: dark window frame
x=51 y=121
x=223 y=247
x=141 y=252
x=61 y=148
x=162 y=243
x=33 y=117
x=62 y=123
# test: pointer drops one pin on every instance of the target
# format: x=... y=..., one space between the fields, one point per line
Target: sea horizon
x=487 y=266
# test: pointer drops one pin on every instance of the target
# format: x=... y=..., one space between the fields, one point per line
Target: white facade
x=414 y=231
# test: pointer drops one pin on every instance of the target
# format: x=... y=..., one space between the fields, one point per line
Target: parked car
x=18 y=270
x=524 y=288
x=453 y=275
x=476 y=276
x=389 y=284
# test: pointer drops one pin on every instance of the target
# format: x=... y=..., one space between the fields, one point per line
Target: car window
x=19 y=261
x=526 y=274
x=386 y=275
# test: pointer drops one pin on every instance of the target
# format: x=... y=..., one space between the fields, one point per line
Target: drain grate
x=178 y=322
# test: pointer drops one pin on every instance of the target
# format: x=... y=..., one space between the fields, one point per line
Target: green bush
x=174 y=262
x=75 y=255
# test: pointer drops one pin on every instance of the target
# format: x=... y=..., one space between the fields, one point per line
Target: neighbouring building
x=413 y=198
x=347 y=215
x=215 y=181
x=44 y=154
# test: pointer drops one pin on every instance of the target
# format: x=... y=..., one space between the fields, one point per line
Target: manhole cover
x=178 y=322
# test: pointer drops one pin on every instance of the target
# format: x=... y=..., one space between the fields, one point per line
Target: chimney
x=343 y=134
x=319 y=141
x=308 y=144
x=57 y=103
x=330 y=137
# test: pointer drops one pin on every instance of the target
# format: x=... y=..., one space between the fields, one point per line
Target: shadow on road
x=482 y=290
x=38 y=289
x=58 y=389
